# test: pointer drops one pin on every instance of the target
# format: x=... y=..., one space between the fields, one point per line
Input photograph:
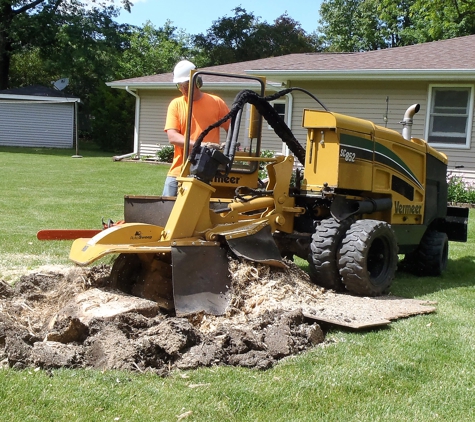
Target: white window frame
x=469 y=116
x=284 y=102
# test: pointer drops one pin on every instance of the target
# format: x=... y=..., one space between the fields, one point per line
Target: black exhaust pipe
x=342 y=208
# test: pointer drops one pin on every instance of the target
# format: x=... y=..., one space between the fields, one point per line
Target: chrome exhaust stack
x=408 y=120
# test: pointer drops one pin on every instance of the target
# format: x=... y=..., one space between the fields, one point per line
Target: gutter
x=372 y=74
x=136 y=150
x=40 y=98
x=169 y=85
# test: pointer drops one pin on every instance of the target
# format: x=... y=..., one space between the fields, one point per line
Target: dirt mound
x=69 y=317
x=41 y=326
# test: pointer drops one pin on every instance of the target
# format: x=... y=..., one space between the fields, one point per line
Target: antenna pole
x=76 y=130
x=385 y=118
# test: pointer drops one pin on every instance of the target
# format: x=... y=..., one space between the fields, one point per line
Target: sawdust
x=273 y=314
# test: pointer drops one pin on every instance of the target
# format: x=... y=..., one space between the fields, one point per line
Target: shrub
x=165 y=154
x=262 y=165
x=459 y=190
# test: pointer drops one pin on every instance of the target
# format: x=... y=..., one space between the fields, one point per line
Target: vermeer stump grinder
x=361 y=195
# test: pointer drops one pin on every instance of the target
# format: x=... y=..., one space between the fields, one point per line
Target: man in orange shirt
x=207 y=109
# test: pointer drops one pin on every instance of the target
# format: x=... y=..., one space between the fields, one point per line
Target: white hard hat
x=181 y=73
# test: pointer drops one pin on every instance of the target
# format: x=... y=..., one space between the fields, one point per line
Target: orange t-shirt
x=206 y=111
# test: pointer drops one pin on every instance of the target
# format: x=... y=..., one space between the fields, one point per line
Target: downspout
x=136 y=128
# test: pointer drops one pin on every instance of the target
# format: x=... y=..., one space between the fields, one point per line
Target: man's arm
x=177 y=139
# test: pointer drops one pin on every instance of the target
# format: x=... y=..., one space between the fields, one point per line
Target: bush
x=262 y=165
x=165 y=154
x=459 y=190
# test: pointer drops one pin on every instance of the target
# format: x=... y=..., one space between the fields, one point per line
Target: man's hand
x=212 y=145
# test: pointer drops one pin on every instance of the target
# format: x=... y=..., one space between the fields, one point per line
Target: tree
x=284 y=36
x=28 y=68
x=227 y=40
x=350 y=25
x=360 y=25
x=112 y=125
x=244 y=37
x=151 y=51
x=24 y=23
x=440 y=19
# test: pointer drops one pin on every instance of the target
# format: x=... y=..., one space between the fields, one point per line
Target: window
x=280 y=108
x=449 y=120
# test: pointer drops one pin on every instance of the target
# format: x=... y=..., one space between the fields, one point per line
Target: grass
x=418 y=369
x=47 y=189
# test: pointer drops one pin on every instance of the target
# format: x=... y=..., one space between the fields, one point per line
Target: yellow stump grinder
x=361 y=195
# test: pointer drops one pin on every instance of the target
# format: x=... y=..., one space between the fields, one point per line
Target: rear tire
x=431 y=256
x=322 y=259
x=368 y=257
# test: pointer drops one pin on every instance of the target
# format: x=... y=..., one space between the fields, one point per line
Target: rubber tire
x=368 y=258
x=125 y=272
x=322 y=259
x=431 y=256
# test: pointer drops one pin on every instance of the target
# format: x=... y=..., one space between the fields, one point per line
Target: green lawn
x=417 y=369
x=47 y=189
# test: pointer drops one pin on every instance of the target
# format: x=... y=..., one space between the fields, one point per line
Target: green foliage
x=152 y=50
x=65 y=28
x=85 y=45
x=165 y=153
x=262 y=165
x=362 y=25
x=460 y=190
x=346 y=27
x=243 y=37
x=440 y=19
x=112 y=125
x=284 y=36
x=28 y=68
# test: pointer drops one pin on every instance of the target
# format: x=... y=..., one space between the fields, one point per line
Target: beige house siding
x=363 y=99
x=368 y=101
x=153 y=109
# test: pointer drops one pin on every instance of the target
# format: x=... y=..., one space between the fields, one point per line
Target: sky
x=196 y=17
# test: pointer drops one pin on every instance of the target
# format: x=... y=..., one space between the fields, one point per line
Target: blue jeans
x=171 y=187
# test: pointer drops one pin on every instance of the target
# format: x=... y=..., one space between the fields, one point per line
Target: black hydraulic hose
x=268 y=112
x=230 y=148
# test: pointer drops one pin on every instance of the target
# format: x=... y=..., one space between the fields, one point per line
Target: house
x=37 y=116
x=376 y=85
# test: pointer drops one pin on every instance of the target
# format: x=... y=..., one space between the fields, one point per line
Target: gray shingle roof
x=34 y=90
x=452 y=56
x=37 y=93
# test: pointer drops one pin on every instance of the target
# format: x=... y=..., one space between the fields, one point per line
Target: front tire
x=368 y=257
x=322 y=259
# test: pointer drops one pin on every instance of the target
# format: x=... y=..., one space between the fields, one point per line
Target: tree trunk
x=6 y=18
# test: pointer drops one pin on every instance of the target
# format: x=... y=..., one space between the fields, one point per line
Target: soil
x=70 y=317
